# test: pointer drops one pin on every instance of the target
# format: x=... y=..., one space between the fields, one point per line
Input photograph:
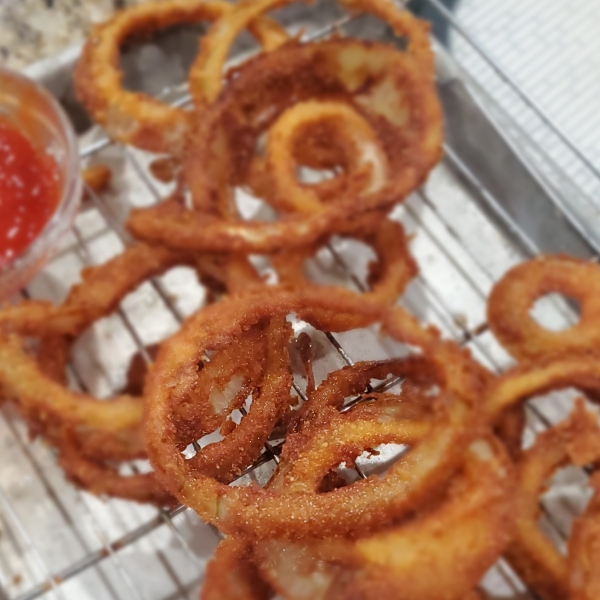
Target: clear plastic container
x=39 y=116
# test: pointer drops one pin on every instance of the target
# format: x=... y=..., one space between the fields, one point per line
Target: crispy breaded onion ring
x=384 y=564
x=135 y=118
x=226 y=459
x=103 y=287
x=103 y=479
x=584 y=549
x=522 y=382
x=21 y=379
x=206 y=73
x=262 y=513
x=389 y=90
x=363 y=158
x=387 y=276
x=101 y=290
x=469 y=526
x=531 y=554
x=513 y=296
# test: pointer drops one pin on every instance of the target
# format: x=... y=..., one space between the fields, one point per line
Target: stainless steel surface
x=486 y=207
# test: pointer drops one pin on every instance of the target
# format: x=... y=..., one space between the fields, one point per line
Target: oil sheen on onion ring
x=136 y=118
x=397 y=98
x=512 y=299
x=584 y=550
x=205 y=76
x=531 y=554
x=262 y=513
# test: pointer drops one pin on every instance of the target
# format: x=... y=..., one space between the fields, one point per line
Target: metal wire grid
x=451 y=260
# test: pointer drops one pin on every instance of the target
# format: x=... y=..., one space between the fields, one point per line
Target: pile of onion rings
x=221 y=395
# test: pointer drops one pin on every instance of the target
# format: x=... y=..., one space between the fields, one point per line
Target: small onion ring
x=512 y=297
x=399 y=98
x=226 y=459
x=366 y=162
x=135 y=118
x=261 y=513
x=533 y=556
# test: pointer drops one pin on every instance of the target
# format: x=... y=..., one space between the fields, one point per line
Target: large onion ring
x=383 y=565
x=512 y=298
x=396 y=96
x=135 y=118
x=260 y=512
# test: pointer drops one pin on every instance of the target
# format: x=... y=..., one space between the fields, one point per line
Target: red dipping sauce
x=30 y=190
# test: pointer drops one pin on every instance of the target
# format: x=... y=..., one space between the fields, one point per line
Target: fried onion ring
x=205 y=76
x=135 y=118
x=522 y=382
x=473 y=520
x=532 y=555
x=103 y=287
x=226 y=459
x=362 y=155
x=262 y=513
x=387 y=277
x=385 y=85
x=513 y=296
x=584 y=549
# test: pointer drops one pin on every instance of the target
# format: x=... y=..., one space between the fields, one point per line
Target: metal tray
x=493 y=201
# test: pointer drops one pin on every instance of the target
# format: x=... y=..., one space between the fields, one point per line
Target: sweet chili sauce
x=29 y=191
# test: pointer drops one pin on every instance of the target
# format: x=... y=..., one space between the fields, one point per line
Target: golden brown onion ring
x=392 y=93
x=473 y=518
x=135 y=118
x=512 y=298
x=206 y=74
x=262 y=513
x=103 y=478
x=387 y=277
x=232 y=575
x=103 y=287
x=21 y=379
x=362 y=155
x=584 y=550
x=531 y=554
x=226 y=459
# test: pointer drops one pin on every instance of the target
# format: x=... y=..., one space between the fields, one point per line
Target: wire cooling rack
x=58 y=542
